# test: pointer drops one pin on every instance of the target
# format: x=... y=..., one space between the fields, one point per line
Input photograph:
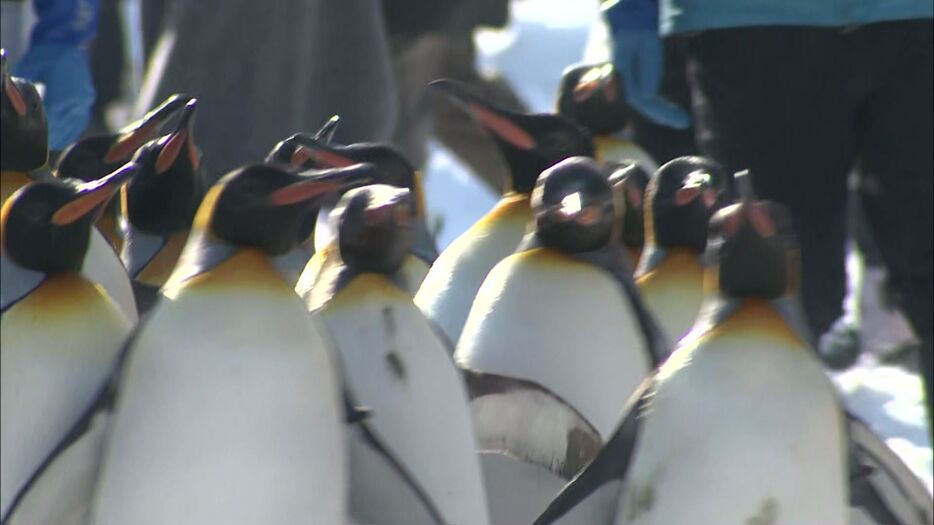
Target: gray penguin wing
x=611 y=462
x=881 y=486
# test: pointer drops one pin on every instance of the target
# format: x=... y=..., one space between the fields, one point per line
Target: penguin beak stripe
x=502 y=127
x=635 y=197
x=15 y=97
x=193 y=153
x=761 y=221
x=333 y=160
x=170 y=151
x=130 y=142
x=81 y=206
x=301 y=191
x=710 y=198
x=300 y=156
x=687 y=195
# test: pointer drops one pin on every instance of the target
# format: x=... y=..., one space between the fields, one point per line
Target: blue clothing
x=679 y=16
x=68 y=22
x=57 y=58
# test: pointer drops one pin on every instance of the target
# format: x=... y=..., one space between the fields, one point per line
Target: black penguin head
x=374 y=227
x=592 y=96
x=629 y=180
x=24 y=132
x=681 y=197
x=752 y=247
x=93 y=157
x=163 y=197
x=573 y=206
x=264 y=206
x=529 y=143
x=46 y=225
x=289 y=152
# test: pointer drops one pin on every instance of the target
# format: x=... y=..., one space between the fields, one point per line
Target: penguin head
x=163 y=197
x=629 y=180
x=24 y=132
x=752 y=247
x=573 y=206
x=93 y=157
x=263 y=206
x=374 y=227
x=530 y=143
x=680 y=198
x=592 y=95
x=46 y=225
x=290 y=153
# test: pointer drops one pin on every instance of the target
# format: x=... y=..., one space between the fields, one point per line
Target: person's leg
x=772 y=100
x=897 y=123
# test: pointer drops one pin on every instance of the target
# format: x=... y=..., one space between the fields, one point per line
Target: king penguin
x=25 y=132
x=629 y=181
x=60 y=332
x=93 y=157
x=592 y=95
x=530 y=144
x=562 y=308
x=744 y=405
x=228 y=408
x=395 y=364
x=680 y=199
x=394 y=170
x=159 y=205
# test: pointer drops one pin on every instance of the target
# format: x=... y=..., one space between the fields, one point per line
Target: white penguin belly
x=102 y=265
x=395 y=364
x=562 y=323
x=452 y=283
x=58 y=347
x=742 y=430
x=228 y=412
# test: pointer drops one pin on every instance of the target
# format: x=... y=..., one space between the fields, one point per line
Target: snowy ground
x=545 y=37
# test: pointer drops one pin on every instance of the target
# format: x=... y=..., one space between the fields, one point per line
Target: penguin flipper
x=370 y=438
x=611 y=462
x=16 y=283
x=881 y=486
x=525 y=420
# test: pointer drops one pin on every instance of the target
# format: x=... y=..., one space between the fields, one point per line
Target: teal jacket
x=680 y=16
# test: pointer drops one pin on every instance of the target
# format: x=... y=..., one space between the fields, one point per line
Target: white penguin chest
x=58 y=347
x=228 y=412
x=564 y=324
x=395 y=364
x=742 y=429
x=102 y=265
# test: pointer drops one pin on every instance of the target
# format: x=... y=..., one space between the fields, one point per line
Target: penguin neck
x=151 y=258
x=11 y=181
x=749 y=317
x=207 y=262
x=605 y=142
x=512 y=205
x=658 y=259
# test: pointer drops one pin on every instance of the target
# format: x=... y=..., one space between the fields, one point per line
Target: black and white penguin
x=396 y=365
x=159 y=205
x=562 y=308
x=24 y=131
x=592 y=95
x=229 y=407
x=530 y=144
x=394 y=170
x=93 y=157
x=60 y=332
x=744 y=405
x=679 y=201
x=629 y=181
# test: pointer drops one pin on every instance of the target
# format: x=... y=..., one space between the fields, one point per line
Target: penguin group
x=610 y=344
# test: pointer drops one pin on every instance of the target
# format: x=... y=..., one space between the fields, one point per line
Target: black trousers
x=799 y=106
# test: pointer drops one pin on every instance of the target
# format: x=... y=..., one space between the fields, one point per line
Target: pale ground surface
x=548 y=35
